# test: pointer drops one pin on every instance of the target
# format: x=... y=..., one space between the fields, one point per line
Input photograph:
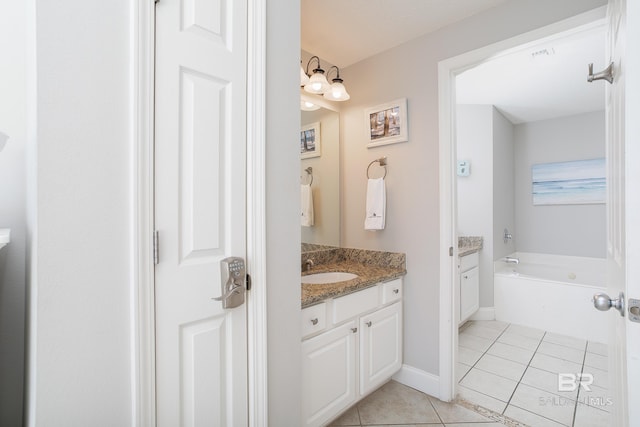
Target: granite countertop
x=469 y=244
x=372 y=267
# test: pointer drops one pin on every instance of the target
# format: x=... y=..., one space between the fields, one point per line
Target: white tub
x=552 y=293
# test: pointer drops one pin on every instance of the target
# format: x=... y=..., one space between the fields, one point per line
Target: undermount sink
x=330 y=277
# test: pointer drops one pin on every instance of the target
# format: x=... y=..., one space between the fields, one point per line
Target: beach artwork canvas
x=569 y=183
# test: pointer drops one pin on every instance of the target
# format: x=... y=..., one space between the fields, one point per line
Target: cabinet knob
x=368 y=323
x=395 y=291
x=314 y=321
x=354 y=330
x=465 y=276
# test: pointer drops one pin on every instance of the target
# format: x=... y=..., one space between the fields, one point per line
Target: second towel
x=306 y=208
x=376 y=204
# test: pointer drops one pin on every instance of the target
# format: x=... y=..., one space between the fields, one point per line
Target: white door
x=623 y=204
x=200 y=144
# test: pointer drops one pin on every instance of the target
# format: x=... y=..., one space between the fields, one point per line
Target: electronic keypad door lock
x=233 y=275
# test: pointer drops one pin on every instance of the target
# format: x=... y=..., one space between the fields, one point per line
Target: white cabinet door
x=469 y=293
x=380 y=347
x=328 y=374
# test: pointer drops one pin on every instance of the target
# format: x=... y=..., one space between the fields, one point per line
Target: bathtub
x=552 y=293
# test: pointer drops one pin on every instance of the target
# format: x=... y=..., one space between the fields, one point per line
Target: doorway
x=450 y=70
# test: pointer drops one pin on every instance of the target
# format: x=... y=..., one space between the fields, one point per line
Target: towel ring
x=309 y=172
x=383 y=163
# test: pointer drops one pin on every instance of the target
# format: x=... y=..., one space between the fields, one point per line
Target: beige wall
x=410 y=71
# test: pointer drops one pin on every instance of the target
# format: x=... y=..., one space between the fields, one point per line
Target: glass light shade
x=308 y=106
x=337 y=92
x=304 y=79
x=318 y=83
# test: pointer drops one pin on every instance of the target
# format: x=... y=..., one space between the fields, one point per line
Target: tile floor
x=513 y=370
x=397 y=405
x=510 y=370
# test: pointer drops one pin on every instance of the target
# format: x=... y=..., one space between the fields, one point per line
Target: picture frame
x=580 y=182
x=386 y=123
x=310 y=141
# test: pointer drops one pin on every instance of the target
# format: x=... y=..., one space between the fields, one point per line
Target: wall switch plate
x=464 y=168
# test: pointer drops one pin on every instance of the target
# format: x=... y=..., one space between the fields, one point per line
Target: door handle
x=232 y=282
x=234 y=290
x=603 y=303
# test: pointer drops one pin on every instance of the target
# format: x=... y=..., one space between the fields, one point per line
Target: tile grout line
x=546 y=391
x=575 y=399
x=436 y=411
x=525 y=370
x=485 y=352
x=575 y=408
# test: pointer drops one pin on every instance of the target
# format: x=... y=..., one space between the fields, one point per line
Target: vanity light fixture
x=337 y=91
x=304 y=79
x=318 y=83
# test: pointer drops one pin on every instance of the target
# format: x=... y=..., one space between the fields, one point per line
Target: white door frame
x=447 y=71
x=142 y=59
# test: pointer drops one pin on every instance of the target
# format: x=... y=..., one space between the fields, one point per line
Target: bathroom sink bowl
x=331 y=277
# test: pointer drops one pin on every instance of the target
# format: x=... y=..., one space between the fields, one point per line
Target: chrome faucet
x=308 y=264
x=511 y=260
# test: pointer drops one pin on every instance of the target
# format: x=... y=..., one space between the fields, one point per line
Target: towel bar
x=309 y=172
x=383 y=163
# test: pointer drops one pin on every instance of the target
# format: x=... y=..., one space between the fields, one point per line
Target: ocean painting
x=569 y=183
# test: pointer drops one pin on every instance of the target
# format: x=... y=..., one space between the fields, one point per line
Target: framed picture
x=310 y=141
x=386 y=123
x=569 y=183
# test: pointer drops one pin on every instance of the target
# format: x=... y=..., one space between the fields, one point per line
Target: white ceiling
x=542 y=82
x=344 y=32
x=524 y=87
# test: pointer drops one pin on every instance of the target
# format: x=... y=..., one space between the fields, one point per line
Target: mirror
x=322 y=155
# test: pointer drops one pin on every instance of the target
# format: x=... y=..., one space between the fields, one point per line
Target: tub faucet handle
x=506 y=236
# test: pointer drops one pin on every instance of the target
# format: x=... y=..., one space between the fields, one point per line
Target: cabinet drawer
x=351 y=305
x=469 y=261
x=314 y=319
x=391 y=291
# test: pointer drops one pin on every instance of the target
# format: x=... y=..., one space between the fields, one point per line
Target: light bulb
x=337 y=92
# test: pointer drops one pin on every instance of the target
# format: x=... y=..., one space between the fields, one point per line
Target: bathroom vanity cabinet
x=468 y=267
x=351 y=345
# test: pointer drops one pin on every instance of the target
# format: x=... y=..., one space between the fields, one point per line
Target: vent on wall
x=543 y=53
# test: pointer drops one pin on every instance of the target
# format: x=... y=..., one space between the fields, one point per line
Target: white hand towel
x=376 y=205
x=306 y=201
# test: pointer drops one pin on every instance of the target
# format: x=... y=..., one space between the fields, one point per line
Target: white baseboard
x=419 y=379
x=484 y=313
